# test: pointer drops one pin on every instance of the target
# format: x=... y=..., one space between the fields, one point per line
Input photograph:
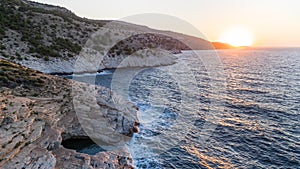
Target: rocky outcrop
x=36 y=117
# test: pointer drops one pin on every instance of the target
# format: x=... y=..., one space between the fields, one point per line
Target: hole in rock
x=82 y=145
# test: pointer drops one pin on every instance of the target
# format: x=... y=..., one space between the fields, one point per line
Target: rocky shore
x=37 y=113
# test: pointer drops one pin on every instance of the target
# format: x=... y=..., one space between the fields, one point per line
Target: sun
x=237 y=37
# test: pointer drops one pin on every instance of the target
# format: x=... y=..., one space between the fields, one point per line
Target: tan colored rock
x=34 y=121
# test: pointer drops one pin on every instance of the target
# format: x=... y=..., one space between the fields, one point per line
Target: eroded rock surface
x=35 y=118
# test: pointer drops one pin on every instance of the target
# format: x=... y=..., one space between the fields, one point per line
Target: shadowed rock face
x=36 y=117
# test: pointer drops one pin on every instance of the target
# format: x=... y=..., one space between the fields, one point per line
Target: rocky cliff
x=37 y=113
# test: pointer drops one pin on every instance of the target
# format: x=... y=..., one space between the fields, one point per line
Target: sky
x=270 y=22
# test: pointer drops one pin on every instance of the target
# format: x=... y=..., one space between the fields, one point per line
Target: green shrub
x=5 y=55
x=4 y=79
x=19 y=58
x=70 y=55
x=62 y=44
x=17 y=145
x=46 y=58
x=31 y=50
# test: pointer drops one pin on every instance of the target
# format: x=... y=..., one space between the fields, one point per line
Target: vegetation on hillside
x=29 y=29
x=144 y=41
x=13 y=75
x=42 y=32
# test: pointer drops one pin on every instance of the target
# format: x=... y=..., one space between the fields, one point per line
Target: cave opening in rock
x=82 y=145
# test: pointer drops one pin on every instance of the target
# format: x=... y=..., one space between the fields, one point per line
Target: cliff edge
x=37 y=114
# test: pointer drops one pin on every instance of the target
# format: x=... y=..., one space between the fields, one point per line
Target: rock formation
x=37 y=113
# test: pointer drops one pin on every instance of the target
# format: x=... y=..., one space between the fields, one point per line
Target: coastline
x=39 y=114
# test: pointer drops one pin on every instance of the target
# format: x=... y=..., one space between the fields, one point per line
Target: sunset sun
x=237 y=37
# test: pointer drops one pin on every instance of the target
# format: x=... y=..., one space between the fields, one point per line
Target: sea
x=236 y=108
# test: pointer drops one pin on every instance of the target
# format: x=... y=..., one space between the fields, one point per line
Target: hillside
x=42 y=31
x=50 y=38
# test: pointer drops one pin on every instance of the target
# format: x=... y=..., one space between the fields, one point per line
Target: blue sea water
x=251 y=121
